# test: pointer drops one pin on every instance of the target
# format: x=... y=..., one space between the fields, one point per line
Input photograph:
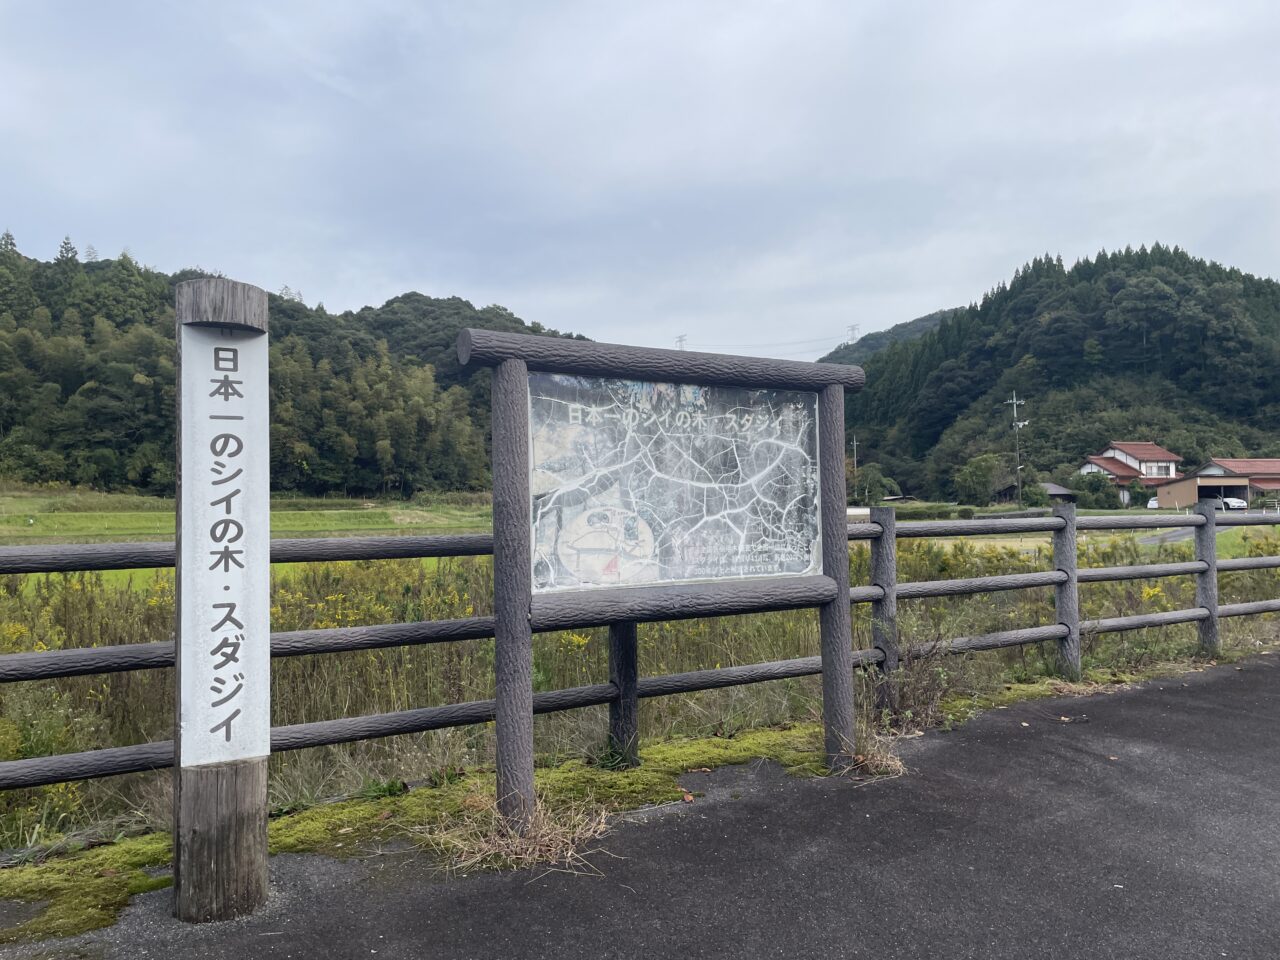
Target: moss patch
x=656 y=780
x=353 y=826
x=350 y=827
x=87 y=890
x=957 y=709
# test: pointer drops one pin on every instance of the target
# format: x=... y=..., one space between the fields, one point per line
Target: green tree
x=1094 y=355
x=976 y=481
x=67 y=254
x=1034 y=495
x=869 y=486
x=1094 y=491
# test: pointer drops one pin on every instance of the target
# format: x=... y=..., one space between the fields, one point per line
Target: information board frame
x=512 y=357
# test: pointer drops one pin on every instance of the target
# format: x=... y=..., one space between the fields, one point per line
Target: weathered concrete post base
x=220 y=840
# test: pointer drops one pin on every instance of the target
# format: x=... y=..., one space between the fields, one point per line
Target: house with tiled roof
x=1241 y=478
x=1124 y=461
x=1263 y=473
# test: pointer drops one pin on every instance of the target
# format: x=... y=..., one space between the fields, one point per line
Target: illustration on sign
x=637 y=482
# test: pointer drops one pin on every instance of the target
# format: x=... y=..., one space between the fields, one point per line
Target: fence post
x=1207 y=582
x=624 y=713
x=512 y=592
x=1066 y=595
x=836 y=617
x=884 y=612
x=222 y=734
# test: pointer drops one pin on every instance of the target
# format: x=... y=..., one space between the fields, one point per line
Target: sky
x=755 y=176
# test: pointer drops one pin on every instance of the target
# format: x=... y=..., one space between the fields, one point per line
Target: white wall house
x=1124 y=461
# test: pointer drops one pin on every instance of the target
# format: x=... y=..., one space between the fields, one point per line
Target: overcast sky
x=756 y=176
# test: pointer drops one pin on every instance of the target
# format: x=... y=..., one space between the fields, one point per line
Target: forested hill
x=362 y=402
x=862 y=349
x=1147 y=344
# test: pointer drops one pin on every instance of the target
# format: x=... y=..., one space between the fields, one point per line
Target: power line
x=792 y=354
x=776 y=343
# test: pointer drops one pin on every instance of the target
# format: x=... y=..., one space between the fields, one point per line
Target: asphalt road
x=1146 y=824
x=1174 y=535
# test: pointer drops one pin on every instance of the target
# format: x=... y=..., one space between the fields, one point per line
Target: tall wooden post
x=1207 y=582
x=1066 y=595
x=884 y=612
x=624 y=713
x=512 y=592
x=223 y=728
x=835 y=618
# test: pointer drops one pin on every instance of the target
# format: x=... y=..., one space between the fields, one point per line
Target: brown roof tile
x=1145 y=451
x=1117 y=468
x=1265 y=467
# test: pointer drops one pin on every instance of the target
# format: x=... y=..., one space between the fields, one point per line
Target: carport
x=1185 y=492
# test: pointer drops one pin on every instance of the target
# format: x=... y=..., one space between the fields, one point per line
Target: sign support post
x=835 y=618
x=223 y=724
x=624 y=712
x=512 y=593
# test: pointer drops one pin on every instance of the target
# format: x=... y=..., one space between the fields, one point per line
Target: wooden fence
x=621 y=610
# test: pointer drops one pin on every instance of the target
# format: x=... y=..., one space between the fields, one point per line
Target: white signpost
x=223 y=578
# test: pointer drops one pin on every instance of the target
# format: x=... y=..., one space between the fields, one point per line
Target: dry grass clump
x=557 y=836
x=877 y=756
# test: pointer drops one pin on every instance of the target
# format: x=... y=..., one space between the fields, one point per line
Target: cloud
x=737 y=172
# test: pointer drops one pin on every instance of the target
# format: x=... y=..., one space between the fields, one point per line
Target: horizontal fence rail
x=609 y=607
x=150 y=556
x=990 y=641
x=958 y=588
x=1144 y=571
x=1140 y=621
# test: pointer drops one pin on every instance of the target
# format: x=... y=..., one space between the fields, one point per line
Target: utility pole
x=852 y=333
x=855 y=464
x=680 y=341
x=1017 y=439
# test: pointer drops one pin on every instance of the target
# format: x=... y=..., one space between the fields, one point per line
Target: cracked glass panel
x=641 y=483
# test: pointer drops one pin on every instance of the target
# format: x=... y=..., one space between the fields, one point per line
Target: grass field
x=73 y=517
x=79 y=610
